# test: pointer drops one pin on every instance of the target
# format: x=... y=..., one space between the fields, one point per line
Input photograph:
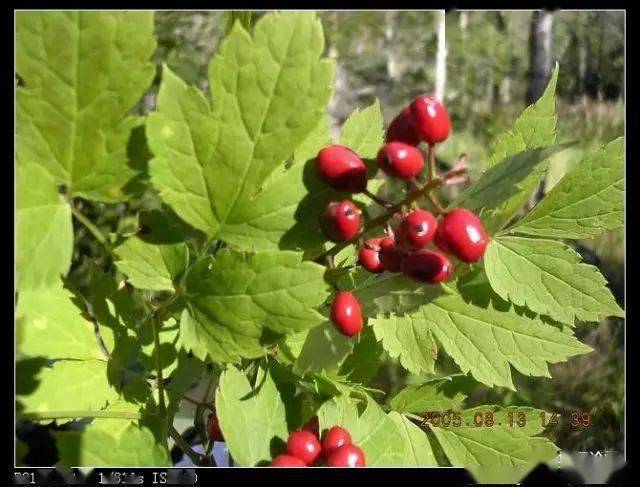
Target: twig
x=97 y=234
x=431 y=161
x=162 y=407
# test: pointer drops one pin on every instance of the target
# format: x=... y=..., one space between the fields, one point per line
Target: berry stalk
x=382 y=219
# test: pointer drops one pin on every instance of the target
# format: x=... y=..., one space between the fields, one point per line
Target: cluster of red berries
x=305 y=450
x=459 y=232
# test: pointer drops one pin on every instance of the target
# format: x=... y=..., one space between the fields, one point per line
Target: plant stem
x=195 y=457
x=382 y=219
x=162 y=407
x=382 y=202
x=98 y=235
x=80 y=414
x=191 y=400
x=431 y=161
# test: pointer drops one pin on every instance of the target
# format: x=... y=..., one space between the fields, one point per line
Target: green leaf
x=48 y=324
x=535 y=127
x=235 y=299
x=503 y=190
x=68 y=390
x=485 y=341
x=269 y=92
x=44 y=233
x=82 y=74
x=547 y=277
x=324 y=350
x=363 y=131
x=111 y=443
x=371 y=429
x=362 y=365
x=409 y=340
x=253 y=420
x=418 y=450
x=586 y=202
x=499 y=445
x=151 y=266
x=21 y=451
x=515 y=169
x=433 y=395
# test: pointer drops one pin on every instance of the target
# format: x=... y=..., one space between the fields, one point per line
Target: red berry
x=334 y=439
x=427 y=266
x=461 y=233
x=430 y=119
x=346 y=314
x=390 y=255
x=341 y=221
x=287 y=461
x=342 y=169
x=312 y=426
x=303 y=445
x=369 y=256
x=417 y=229
x=213 y=428
x=400 y=160
x=401 y=129
x=346 y=456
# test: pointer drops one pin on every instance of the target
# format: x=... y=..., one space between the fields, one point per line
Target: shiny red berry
x=462 y=234
x=401 y=129
x=427 y=266
x=287 y=461
x=390 y=255
x=213 y=428
x=400 y=160
x=430 y=119
x=341 y=220
x=347 y=456
x=342 y=169
x=313 y=426
x=346 y=314
x=369 y=256
x=334 y=438
x=304 y=446
x=417 y=229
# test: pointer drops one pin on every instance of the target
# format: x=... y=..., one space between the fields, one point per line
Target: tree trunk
x=441 y=56
x=540 y=54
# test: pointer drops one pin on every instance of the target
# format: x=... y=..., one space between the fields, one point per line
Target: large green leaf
x=150 y=265
x=418 y=450
x=82 y=74
x=586 y=202
x=515 y=169
x=484 y=341
x=409 y=340
x=547 y=277
x=324 y=350
x=363 y=132
x=111 y=443
x=44 y=234
x=475 y=442
x=239 y=302
x=48 y=324
x=70 y=389
x=362 y=365
x=269 y=92
x=253 y=420
x=535 y=127
x=434 y=395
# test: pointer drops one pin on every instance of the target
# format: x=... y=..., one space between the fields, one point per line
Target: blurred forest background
x=487 y=66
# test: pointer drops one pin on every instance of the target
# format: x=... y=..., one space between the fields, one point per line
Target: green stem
x=195 y=457
x=431 y=161
x=189 y=399
x=162 y=407
x=382 y=202
x=95 y=231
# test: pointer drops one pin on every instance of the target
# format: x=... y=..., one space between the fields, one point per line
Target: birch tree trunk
x=441 y=57
x=540 y=54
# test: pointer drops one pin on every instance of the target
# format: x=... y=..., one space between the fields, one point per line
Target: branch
x=195 y=457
